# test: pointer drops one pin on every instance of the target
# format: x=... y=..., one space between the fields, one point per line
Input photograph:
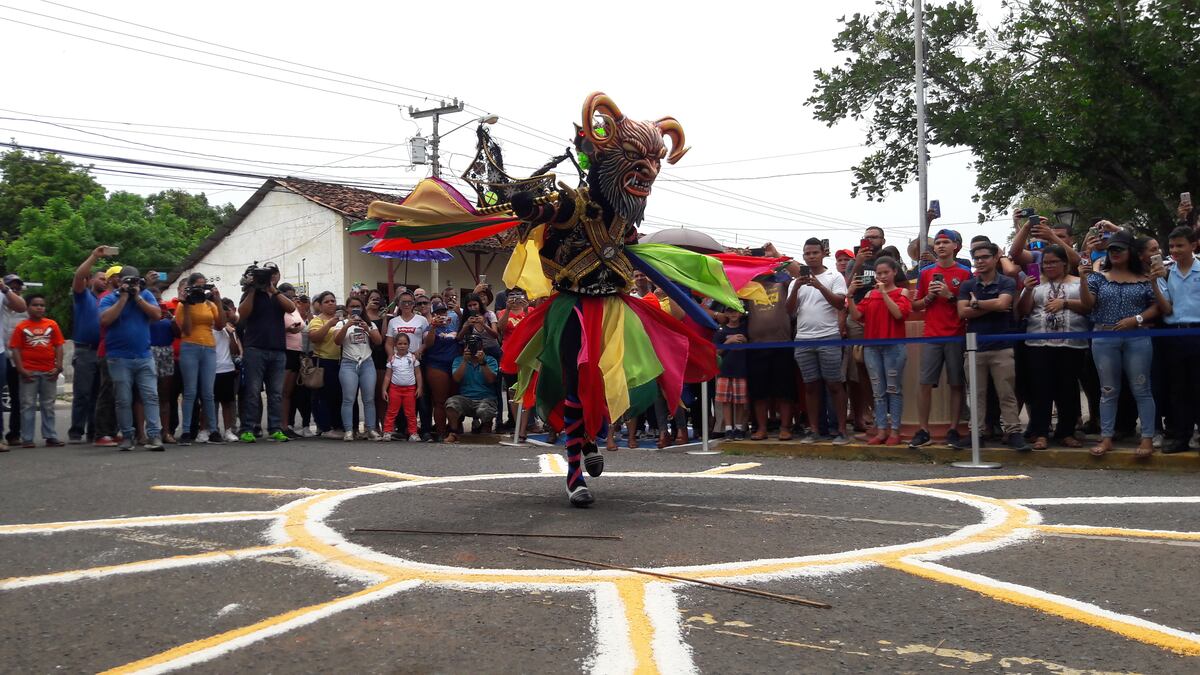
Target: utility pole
x=435 y=163
x=922 y=169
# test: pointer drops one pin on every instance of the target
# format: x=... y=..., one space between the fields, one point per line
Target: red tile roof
x=349 y=201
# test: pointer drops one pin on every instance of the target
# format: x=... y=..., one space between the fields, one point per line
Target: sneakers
x=230 y=437
x=387 y=436
x=215 y=437
x=348 y=436
x=332 y=434
x=54 y=443
x=581 y=497
x=840 y=439
x=306 y=433
x=808 y=438
x=155 y=444
x=106 y=442
x=185 y=438
x=894 y=439
x=1157 y=443
x=373 y=435
x=3 y=445
x=291 y=434
x=202 y=436
x=277 y=436
x=125 y=446
x=922 y=438
x=75 y=440
x=955 y=439
x=1017 y=442
x=593 y=461
x=877 y=439
x=414 y=438
x=248 y=437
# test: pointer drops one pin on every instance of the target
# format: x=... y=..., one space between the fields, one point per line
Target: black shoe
x=1017 y=442
x=954 y=439
x=215 y=437
x=581 y=497
x=593 y=461
x=291 y=434
x=74 y=440
x=185 y=438
x=920 y=439
x=964 y=442
x=1175 y=447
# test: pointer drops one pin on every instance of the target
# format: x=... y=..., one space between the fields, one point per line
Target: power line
x=767 y=157
x=786 y=175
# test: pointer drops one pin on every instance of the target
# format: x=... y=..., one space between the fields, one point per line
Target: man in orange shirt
x=36 y=351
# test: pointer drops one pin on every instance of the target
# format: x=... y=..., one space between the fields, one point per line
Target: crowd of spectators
x=273 y=365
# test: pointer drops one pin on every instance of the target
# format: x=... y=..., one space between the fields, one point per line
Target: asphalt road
x=921 y=578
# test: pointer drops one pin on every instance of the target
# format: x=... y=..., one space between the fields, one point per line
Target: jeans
x=199 y=366
x=106 y=404
x=355 y=378
x=1133 y=357
x=83 y=401
x=14 y=393
x=327 y=401
x=35 y=395
x=127 y=374
x=259 y=366
x=885 y=365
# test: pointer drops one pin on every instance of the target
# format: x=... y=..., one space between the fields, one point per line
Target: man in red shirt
x=937 y=294
x=37 y=353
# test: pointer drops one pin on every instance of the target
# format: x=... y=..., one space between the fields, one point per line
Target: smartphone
x=805 y=271
x=1185 y=198
x=825 y=245
x=864 y=245
x=1093 y=231
x=1156 y=259
x=758 y=252
x=1027 y=213
x=110 y=251
x=483 y=277
x=1034 y=270
x=935 y=205
x=939 y=277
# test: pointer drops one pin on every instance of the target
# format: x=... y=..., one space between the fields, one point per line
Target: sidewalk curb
x=1120 y=459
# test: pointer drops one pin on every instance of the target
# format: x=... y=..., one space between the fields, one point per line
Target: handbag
x=311 y=375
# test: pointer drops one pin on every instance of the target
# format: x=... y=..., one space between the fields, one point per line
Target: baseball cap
x=952 y=235
x=285 y=287
x=112 y=271
x=844 y=252
x=11 y=279
x=440 y=309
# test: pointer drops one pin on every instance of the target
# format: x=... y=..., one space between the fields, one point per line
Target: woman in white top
x=226 y=381
x=357 y=373
x=1053 y=306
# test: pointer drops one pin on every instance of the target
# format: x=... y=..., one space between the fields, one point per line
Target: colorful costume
x=591 y=353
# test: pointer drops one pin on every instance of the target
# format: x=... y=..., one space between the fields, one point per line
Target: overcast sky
x=736 y=80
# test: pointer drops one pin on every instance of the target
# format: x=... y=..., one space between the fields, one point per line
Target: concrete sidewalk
x=1120 y=458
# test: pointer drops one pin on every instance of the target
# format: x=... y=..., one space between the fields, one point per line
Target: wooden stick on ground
x=488 y=534
x=711 y=584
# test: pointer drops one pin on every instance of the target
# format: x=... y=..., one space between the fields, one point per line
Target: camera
x=259 y=277
x=356 y=313
x=132 y=284
x=1026 y=213
x=194 y=295
x=474 y=344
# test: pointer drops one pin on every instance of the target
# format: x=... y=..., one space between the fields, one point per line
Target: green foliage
x=1084 y=102
x=31 y=180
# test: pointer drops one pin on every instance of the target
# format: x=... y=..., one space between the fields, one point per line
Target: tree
x=32 y=180
x=195 y=209
x=54 y=239
x=1087 y=101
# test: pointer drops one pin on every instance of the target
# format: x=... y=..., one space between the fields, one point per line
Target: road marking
x=139 y=521
x=1118 y=532
x=139 y=566
x=552 y=463
x=1065 y=501
x=390 y=474
x=717 y=470
x=239 y=490
x=1181 y=642
x=960 y=479
x=210 y=648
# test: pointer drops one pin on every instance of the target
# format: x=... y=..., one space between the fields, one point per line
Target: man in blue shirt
x=475 y=373
x=126 y=314
x=986 y=302
x=85 y=290
x=1180 y=286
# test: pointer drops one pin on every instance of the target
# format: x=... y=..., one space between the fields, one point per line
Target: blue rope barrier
x=1004 y=337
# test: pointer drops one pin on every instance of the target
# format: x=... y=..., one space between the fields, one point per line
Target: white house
x=300 y=225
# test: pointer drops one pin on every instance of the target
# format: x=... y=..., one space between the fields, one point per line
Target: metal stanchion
x=972 y=387
x=703 y=403
x=516 y=439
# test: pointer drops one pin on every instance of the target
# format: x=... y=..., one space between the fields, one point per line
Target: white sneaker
x=202 y=437
x=230 y=437
x=415 y=438
x=373 y=435
x=306 y=432
x=387 y=436
x=348 y=436
x=1157 y=443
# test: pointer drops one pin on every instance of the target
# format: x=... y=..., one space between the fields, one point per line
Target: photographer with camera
x=264 y=348
x=126 y=315
x=475 y=373
x=197 y=317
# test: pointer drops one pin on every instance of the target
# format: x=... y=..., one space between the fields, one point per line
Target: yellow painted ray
x=731 y=468
x=1118 y=532
x=1178 y=641
x=390 y=474
x=239 y=490
x=152 y=565
x=552 y=463
x=139 y=521
x=949 y=481
x=209 y=648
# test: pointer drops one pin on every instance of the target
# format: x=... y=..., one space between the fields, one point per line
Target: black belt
x=84 y=345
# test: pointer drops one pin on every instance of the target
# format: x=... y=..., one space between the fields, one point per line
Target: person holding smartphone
x=321 y=332
x=817 y=296
x=1179 y=286
x=883 y=313
x=441 y=349
x=356 y=374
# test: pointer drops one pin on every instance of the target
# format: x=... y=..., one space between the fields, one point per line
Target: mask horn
x=670 y=128
x=599 y=104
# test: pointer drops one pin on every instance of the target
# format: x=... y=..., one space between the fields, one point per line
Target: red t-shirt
x=36 y=341
x=511 y=321
x=941 y=315
x=878 y=323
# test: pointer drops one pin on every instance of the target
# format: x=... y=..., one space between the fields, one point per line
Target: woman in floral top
x=1121 y=297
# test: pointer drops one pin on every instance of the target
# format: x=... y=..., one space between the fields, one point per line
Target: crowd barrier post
x=704 y=416
x=972 y=387
x=516 y=439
